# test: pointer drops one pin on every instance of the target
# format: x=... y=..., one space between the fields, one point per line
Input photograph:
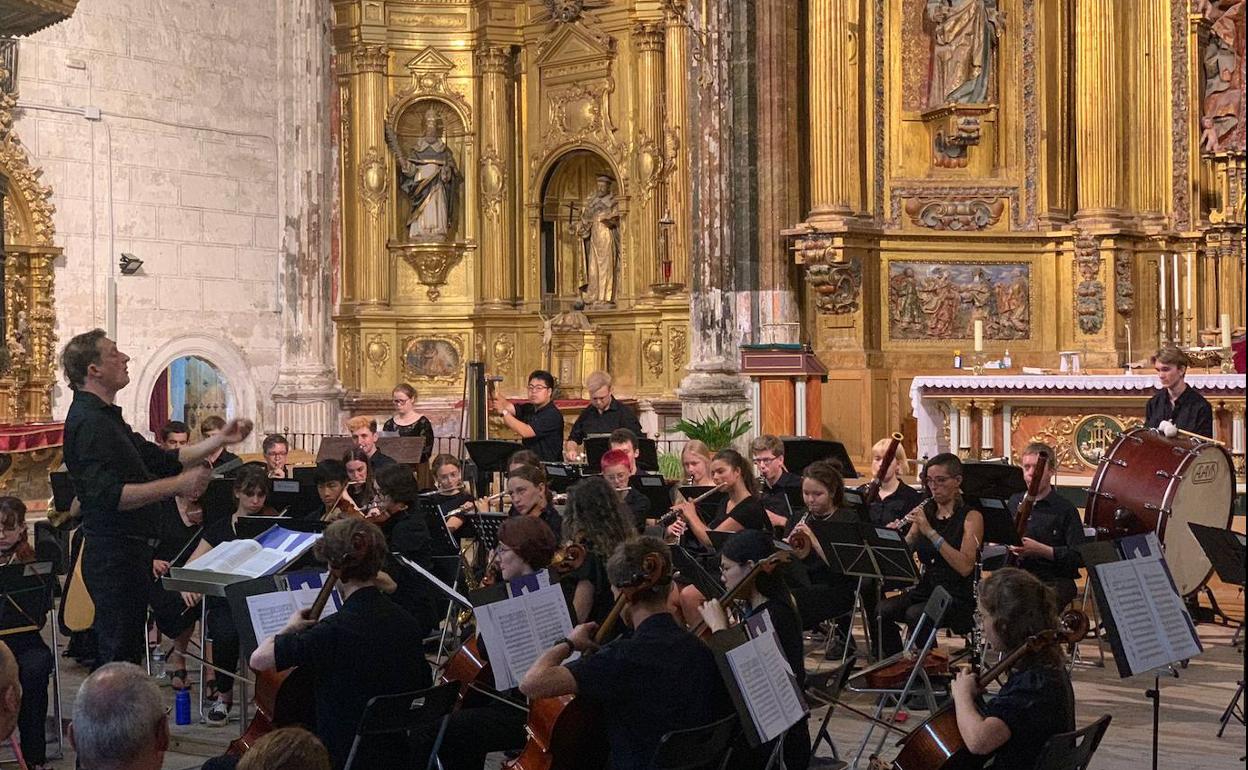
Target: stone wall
x=180 y=170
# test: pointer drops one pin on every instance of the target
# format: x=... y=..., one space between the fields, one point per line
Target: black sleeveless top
x=937 y=571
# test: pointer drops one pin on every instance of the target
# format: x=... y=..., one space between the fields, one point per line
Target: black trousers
x=34 y=669
x=908 y=608
x=225 y=644
x=117 y=572
x=471 y=734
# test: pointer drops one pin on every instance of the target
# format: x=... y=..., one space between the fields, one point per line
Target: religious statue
x=430 y=179
x=964 y=33
x=904 y=295
x=1222 y=102
x=940 y=303
x=600 y=243
x=982 y=297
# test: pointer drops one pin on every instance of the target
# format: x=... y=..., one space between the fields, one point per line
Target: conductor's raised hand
x=236 y=430
x=194 y=480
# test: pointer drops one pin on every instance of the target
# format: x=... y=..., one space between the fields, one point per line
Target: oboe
x=978 y=639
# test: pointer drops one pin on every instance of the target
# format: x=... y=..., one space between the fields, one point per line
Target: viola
x=766 y=566
x=566 y=733
x=284 y=698
x=938 y=745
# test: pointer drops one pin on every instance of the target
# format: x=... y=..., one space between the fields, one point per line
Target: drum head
x=1202 y=496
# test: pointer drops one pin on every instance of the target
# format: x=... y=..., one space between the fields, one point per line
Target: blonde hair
x=360 y=421
x=597 y=380
x=698 y=448
x=899 y=457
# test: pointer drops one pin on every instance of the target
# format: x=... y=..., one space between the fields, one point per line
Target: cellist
x=659 y=679
x=1037 y=701
x=352 y=653
x=486 y=724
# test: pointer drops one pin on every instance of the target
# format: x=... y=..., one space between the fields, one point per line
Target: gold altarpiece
x=1090 y=197
x=533 y=102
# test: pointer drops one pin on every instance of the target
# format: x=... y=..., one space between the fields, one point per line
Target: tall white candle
x=979 y=336
x=1226 y=329
x=1190 y=309
x=1161 y=295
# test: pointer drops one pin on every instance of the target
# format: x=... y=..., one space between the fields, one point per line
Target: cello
x=285 y=698
x=938 y=745
x=565 y=732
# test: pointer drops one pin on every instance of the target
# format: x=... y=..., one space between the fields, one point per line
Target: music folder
x=860 y=549
x=518 y=624
x=758 y=678
x=262 y=607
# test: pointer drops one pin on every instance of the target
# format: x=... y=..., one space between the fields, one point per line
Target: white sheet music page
x=1153 y=625
x=765 y=682
x=518 y=630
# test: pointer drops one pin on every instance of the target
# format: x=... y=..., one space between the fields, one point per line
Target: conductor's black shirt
x=102 y=455
x=1189 y=412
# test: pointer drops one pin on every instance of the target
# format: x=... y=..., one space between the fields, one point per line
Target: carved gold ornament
x=432 y=262
x=374 y=181
x=955 y=214
x=677 y=341
x=652 y=353
x=377 y=351
x=504 y=351
x=493 y=179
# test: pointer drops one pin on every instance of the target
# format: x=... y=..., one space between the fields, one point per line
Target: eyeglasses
x=765 y=460
x=538 y=387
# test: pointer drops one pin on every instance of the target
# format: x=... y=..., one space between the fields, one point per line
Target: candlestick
x=979 y=336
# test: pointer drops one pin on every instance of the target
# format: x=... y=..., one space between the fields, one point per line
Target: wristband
x=938 y=542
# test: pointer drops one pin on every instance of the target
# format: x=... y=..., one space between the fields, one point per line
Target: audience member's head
x=288 y=748
x=174 y=434
x=10 y=692
x=119 y=720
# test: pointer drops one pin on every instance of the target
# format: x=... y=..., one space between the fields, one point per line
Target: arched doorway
x=189 y=389
x=570 y=181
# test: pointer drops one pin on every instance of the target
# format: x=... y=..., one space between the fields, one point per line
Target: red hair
x=614 y=457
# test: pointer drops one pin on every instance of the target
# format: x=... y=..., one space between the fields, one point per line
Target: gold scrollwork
x=1060 y=433
x=493 y=176
x=377 y=351
x=650 y=164
x=432 y=262
x=374 y=181
x=652 y=353
x=504 y=350
x=677 y=342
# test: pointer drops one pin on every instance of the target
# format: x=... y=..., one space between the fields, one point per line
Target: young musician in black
x=360 y=484
x=485 y=724
x=1177 y=402
x=596 y=518
x=331 y=485
x=539 y=423
x=530 y=496
x=896 y=498
x=603 y=414
x=28 y=610
x=450 y=495
x=658 y=679
x=179 y=531
x=1037 y=701
x=776 y=482
x=361 y=651
x=769 y=593
x=1053 y=530
x=825 y=594
x=251 y=489
x=615 y=469
x=408 y=421
x=406 y=533
x=947 y=534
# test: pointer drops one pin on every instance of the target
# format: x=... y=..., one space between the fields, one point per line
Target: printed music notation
x=518 y=630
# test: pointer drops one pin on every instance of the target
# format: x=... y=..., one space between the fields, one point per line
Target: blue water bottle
x=182 y=706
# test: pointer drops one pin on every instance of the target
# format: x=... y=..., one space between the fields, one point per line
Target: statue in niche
x=599 y=231
x=1222 y=102
x=430 y=178
x=964 y=32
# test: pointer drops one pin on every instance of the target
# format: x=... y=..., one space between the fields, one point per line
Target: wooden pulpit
x=786 y=390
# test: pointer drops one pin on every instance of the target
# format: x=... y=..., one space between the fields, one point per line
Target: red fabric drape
x=158 y=406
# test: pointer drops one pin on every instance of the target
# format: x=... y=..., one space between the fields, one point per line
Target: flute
x=674 y=512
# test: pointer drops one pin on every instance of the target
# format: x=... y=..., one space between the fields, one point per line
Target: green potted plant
x=715 y=431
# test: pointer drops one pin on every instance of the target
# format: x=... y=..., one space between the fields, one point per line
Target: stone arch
x=242 y=394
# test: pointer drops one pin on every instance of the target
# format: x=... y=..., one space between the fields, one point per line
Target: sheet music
x=763 y=678
x=1153 y=625
x=270 y=612
x=518 y=630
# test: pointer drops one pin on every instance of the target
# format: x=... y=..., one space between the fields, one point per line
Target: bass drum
x=1149 y=483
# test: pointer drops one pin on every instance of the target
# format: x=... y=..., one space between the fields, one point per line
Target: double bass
x=285 y=698
x=566 y=732
x=938 y=745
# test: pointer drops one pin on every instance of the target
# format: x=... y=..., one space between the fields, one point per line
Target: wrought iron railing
x=8 y=64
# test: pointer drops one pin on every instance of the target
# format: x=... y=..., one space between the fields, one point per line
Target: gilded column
x=676 y=144
x=370 y=177
x=1152 y=124
x=1099 y=118
x=834 y=147
x=497 y=253
x=779 y=205
x=648 y=38
x=306 y=395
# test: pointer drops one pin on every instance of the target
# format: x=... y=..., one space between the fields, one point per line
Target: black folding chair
x=1073 y=751
x=826 y=687
x=394 y=715
x=697 y=748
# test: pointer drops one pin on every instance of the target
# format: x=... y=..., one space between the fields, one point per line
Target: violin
x=565 y=733
x=285 y=698
x=938 y=745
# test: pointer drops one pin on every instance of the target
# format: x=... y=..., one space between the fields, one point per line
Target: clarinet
x=978 y=640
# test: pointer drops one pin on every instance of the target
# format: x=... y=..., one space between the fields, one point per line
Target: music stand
x=800 y=451
x=63 y=493
x=218 y=500
x=295 y=496
x=1225 y=550
x=691 y=571
x=656 y=489
x=992 y=480
x=707 y=508
x=598 y=444
x=561 y=476
x=490 y=456
x=406 y=450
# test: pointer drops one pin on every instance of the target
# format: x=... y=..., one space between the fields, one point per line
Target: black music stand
x=1225 y=550
x=991 y=480
x=800 y=451
x=218 y=500
x=561 y=476
x=647 y=452
x=295 y=496
x=707 y=508
x=690 y=570
x=656 y=489
x=490 y=456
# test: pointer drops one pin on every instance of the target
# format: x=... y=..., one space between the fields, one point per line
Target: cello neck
x=322 y=597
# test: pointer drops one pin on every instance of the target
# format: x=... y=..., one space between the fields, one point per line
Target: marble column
x=676 y=153
x=716 y=302
x=835 y=186
x=648 y=39
x=986 y=408
x=1099 y=115
x=306 y=395
x=779 y=181
x=498 y=222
